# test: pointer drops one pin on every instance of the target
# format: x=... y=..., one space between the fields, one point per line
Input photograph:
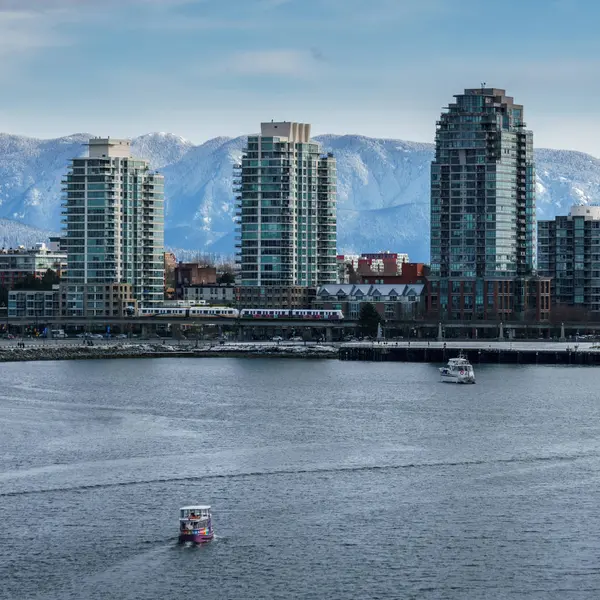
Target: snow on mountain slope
x=198 y=190
x=14 y=234
x=564 y=178
x=160 y=149
x=383 y=187
x=30 y=175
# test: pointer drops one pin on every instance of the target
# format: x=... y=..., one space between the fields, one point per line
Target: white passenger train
x=225 y=312
x=190 y=311
x=294 y=313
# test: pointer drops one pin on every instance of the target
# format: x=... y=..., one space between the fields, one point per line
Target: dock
x=484 y=352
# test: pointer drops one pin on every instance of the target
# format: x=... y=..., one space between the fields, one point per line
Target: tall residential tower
x=483 y=224
x=287 y=209
x=482 y=188
x=114 y=216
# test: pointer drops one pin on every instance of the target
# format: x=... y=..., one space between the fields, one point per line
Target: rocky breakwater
x=272 y=349
x=49 y=351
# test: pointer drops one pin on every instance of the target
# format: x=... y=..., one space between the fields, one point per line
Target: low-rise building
x=410 y=273
x=211 y=294
x=108 y=300
x=392 y=302
x=489 y=299
x=18 y=263
x=189 y=274
x=372 y=267
x=381 y=263
x=253 y=296
x=34 y=304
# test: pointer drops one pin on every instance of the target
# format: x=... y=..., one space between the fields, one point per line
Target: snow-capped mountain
x=14 y=234
x=383 y=187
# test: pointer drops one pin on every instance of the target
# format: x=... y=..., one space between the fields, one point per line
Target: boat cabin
x=194 y=513
x=458 y=362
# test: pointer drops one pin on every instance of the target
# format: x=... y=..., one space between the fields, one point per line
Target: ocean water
x=327 y=479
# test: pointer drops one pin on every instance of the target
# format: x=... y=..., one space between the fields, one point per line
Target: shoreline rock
x=115 y=351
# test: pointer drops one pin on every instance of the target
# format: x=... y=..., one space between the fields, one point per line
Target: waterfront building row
x=392 y=302
x=117 y=299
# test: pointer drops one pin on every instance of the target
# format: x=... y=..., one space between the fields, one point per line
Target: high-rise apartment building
x=483 y=233
x=114 y=219
x=483 y=188
x=286 y=197
x=569 y=253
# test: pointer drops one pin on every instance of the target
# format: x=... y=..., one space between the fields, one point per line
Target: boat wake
x=316 y=471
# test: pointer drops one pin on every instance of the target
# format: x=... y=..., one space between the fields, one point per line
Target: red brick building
x=189 y=274
x=526 y=298
x=352 y=268
x=411 y=273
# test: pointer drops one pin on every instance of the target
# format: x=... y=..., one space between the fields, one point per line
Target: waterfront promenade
x=503 y=345
x=477 y=351
x=482 y=351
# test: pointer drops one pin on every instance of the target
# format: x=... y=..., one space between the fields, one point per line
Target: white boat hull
x=466 y=375
x=450 y=378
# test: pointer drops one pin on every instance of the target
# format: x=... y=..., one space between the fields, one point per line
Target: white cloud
x=22 y=32
x=292 y=63
x=29 y=25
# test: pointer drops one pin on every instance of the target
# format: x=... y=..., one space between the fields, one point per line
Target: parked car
x=277 y=338
x=296 y=339
x=121 y=336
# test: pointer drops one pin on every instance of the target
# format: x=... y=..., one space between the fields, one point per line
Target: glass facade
x=569 y=252
x=114 y=219
x=286 y=208
x=483 y=189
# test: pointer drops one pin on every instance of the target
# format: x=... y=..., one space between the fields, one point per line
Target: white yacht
x=458 y=370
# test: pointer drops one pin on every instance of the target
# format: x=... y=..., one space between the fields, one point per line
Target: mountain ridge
x=383 y=187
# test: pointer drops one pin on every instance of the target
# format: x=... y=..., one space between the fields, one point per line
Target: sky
x=380 y=68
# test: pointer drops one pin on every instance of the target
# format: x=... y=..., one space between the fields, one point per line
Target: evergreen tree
x=368 y=320
x=226 y=278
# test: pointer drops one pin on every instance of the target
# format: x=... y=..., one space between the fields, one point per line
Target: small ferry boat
x=458 y=370
x=195 y=524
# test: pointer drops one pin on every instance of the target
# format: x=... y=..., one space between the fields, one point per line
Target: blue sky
x=382 y=68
